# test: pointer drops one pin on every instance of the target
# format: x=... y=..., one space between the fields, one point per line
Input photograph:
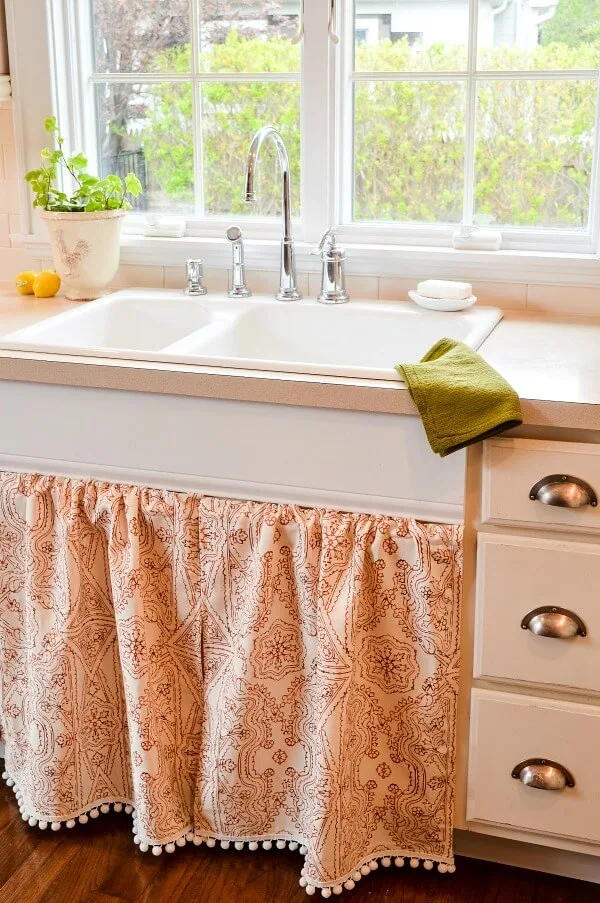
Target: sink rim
x=483 y=322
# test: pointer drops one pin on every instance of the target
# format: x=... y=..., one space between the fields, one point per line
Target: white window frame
x=47 y=63
x=63 y=67
x=513 y=238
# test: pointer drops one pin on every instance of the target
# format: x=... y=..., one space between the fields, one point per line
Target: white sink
x=123 y=322
x=362 y=339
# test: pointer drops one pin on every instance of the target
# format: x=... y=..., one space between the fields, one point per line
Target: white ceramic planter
x=85 y=250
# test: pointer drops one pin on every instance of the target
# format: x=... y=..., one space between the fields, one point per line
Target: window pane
x=533 y=152
x=231 y=113
x=249 y=37
x=417 y=36
x=148 y=129
x=409 y=151
x=545 y=34
x=140 y=35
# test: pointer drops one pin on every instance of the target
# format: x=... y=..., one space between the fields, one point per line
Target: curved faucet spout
x=287 y=287
x=268 y=131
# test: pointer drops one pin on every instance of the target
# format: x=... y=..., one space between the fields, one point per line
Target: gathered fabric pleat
x=234 y=669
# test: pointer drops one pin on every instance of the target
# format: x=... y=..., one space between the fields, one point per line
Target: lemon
x=46 y=284
x=24 y=282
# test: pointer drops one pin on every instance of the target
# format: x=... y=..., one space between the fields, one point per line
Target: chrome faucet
x=288 y=290
x=195 y=273
x=238 y=289
x=333 y=283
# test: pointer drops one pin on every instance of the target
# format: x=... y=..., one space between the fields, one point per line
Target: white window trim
x=513 y=238
x=392 y=250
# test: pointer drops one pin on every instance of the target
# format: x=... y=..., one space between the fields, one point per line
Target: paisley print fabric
x=237 y=670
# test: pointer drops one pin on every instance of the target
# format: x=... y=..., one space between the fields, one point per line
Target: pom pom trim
x=145 y=845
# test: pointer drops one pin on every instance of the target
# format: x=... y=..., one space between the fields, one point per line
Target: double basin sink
x=363 y=339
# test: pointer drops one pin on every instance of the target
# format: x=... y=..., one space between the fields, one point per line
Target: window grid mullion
x=470 y=115
x=594 y=202
x=197 y=138
x=480 y=75
x=316 y=126
x=149 y=78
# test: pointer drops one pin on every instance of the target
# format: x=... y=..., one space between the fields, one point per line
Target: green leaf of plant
x=77 y=162
x=133 y=186
x=51 y=125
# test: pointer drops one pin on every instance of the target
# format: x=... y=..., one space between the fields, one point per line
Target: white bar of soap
x=445 y=288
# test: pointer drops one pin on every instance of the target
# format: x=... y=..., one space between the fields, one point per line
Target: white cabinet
x=517 y=575
x=535 y=550
x=513 y=467
x=507 y=729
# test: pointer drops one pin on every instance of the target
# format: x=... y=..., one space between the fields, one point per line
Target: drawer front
x=515 y=576
x=513 y=467
x=509 y=729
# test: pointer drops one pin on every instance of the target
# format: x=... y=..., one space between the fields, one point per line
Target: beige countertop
x=553 y=363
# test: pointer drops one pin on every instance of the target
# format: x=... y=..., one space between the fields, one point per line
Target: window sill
x=365 y=260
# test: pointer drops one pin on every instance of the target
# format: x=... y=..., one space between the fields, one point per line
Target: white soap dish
x=447 y=304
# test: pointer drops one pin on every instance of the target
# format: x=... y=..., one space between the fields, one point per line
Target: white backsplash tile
x=130 y=276
x=7 y=129
x=4 y=230
x=395 y=289
x=13 y=261
x=9 y=161
x=578 y=300
x=506 y=295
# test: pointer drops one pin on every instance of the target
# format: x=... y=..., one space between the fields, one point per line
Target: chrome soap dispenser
x=333 y=289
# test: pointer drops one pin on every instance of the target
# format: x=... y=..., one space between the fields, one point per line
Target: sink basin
x=362 y=339
x=125 y=321
x=359 y=339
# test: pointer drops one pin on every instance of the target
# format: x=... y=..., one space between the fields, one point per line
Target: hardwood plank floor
x=98 y=863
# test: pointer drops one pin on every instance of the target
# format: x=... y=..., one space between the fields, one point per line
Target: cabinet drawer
x=509 y=729
x=515 y=576
x=513 y=467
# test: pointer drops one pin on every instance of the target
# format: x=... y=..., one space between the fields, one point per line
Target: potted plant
x=84 y=226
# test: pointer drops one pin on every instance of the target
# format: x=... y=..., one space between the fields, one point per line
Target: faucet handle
x=333 y=288
x=195 y=272
x=327 y=243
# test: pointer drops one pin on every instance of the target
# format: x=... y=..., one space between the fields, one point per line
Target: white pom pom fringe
x=371 y=866
x=190 y=837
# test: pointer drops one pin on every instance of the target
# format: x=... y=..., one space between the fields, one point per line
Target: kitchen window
x=404 y=119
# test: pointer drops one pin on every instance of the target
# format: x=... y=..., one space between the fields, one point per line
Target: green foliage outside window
x=533 y=145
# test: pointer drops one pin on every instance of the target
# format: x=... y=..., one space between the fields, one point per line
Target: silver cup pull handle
x=543 y=774
x=563 y=491
x=555 y=622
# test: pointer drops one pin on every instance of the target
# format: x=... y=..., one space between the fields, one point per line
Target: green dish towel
x=461 y=399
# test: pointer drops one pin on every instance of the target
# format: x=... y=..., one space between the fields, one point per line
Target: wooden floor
x=98 y=863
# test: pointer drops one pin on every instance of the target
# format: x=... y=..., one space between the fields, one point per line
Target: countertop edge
x=267 y=388
x=171 y=380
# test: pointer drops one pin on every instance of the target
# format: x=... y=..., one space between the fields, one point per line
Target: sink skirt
x=231 y=671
